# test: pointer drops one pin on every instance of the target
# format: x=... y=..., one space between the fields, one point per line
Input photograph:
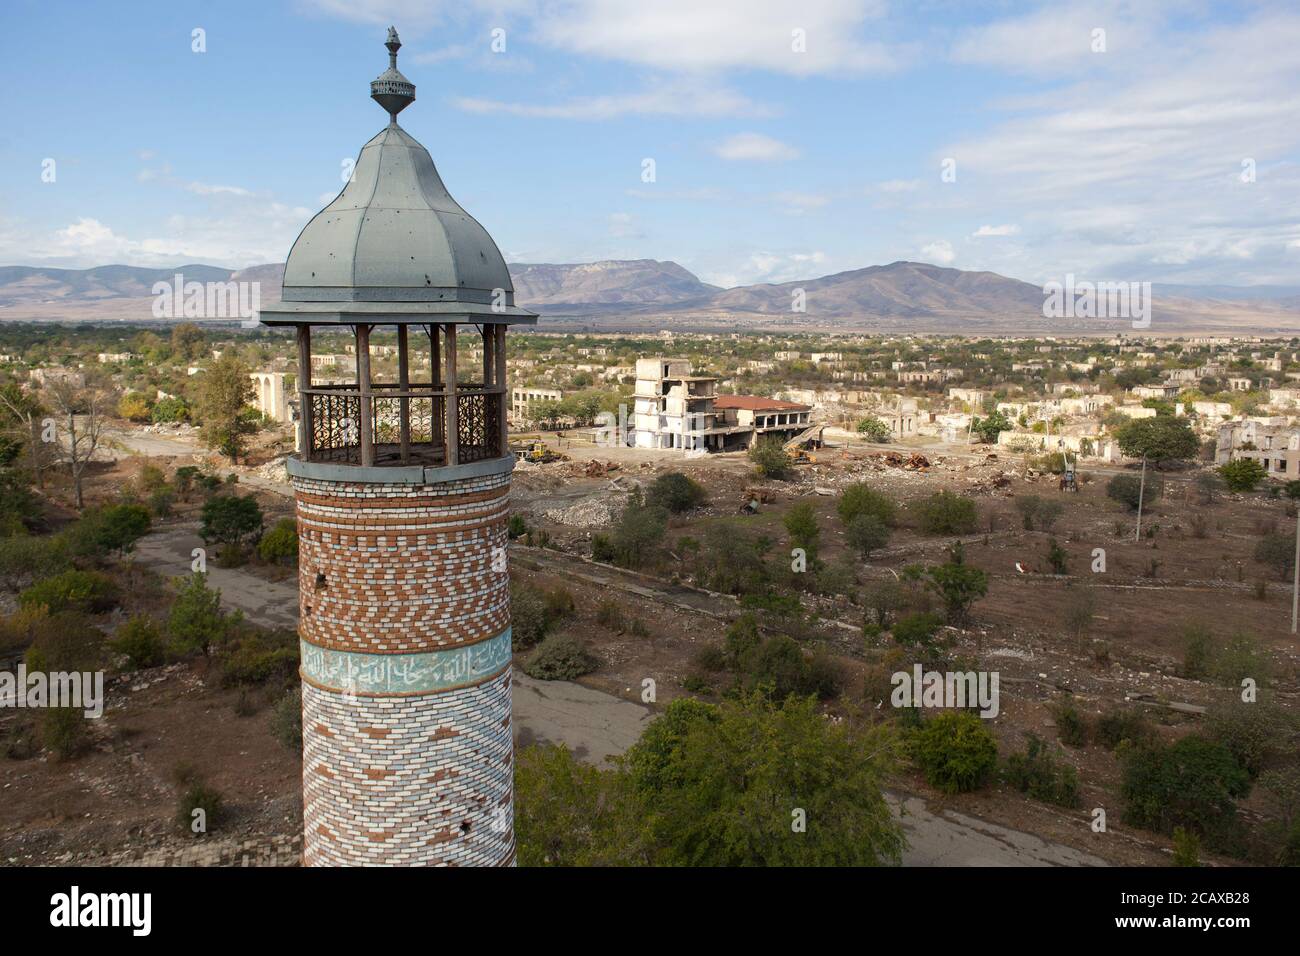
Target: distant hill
x=646 y=294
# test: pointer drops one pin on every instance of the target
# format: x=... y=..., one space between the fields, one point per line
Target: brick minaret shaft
x=407 y=750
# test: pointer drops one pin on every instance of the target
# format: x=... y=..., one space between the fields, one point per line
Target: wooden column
x=363 y=392
x=404 y=384
x=453 y=409
x=499 y=353
x=304 y=400
x=489 y=366
x=437 y=418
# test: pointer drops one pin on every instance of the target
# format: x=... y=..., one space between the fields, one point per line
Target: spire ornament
x=390 y=89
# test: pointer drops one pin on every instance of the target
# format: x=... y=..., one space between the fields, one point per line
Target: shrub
x=1198 y=648
x=609 y=613
x=64 y=642
x=529 y=621
x=160 y=502
x=279 y=545
x=1041 y=511
x=778 y=668
x=516 y=527
x=259 y=657
x=955 y=751
x=1123 y=725
x=742 y=636
x=196 y=622
x=634 y=536
x=916 y=630
x=200 y=809
x=169 y=410
x=861 y=499
x=63 y=730
x=560 y=657
x=770 y=459
x=959 y=586
x=1253 y=733
x=1191 y=784
x=867 y=533
x=874 y=430
x=85 y=591
x=1187 y=848
x=286 y=719
x=1070 y=725
x=676 y=493
x=801 y=525
x=1126 y=489
x=25 y=559
x=230 y=519
x=1277 y=551
x=883 y=599
x=114 y=528
x=140 y=640
x=945 y=513
x=1242 y=475
x=1036 y=773
x=1056 y=557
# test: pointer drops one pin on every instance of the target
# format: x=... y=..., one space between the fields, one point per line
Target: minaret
x=402 y=493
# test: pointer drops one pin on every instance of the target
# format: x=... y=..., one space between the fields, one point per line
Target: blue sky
x=771 y=162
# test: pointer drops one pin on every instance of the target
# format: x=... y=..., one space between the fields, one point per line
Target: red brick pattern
x=401 y=568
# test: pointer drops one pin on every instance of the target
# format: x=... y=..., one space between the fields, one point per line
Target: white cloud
x=755 y=147
x=669 y=99
x=689 y=36
x=206 y=189
x=899 y=185
x=1005 y=230
x=939 y=251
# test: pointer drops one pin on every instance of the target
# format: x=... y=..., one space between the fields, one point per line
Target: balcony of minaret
x=454 y=415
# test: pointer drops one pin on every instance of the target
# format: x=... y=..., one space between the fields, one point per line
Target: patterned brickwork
x=405 y=616
x=395 y=568
x=409 y=781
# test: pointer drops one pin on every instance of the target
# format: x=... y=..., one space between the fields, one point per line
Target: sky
x=1147 y=141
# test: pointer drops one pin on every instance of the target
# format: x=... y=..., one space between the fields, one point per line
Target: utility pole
x=1142 y=487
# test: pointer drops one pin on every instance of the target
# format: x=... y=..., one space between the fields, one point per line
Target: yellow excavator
x=797 y=447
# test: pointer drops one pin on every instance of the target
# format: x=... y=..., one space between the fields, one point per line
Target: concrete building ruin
x=402 y=492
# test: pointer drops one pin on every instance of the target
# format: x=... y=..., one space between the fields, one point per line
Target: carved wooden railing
x=407 y=426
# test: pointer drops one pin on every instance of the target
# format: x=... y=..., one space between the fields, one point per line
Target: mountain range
x=643 y=294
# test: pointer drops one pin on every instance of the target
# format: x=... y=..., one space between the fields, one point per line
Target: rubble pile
x=594 y=511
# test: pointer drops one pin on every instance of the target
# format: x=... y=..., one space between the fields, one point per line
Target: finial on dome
x=390 y=89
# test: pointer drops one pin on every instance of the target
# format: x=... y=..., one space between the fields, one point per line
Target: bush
x=1042 y=512
x=609 y=614
x=286 y=719
x=1070 y=725
x=1242 y=475
x=140 y=640
x=742 y=636
x=64 y=642
x=25 y=559
x=1126 y=489
x=861 y=499
x=1126 y=725
x=1036 y=773
x=1187 y=848
x=770 y=459
x=945 y=513
x=1277 y=551
x=160 y=502
x=1255 y=734
x=635 y=535
x=516 y=527
x=867 y=533
x=259 y=657
x=916 y=630
x=560 y=657
x=196 y=622
x=874 y=430
x=170 y=410
x=676 y=493
x=1198 y=647
x=230 y=519
x=114 y=528
x=959 y=586
x=198 y=796
x=279 y=545
x=86 y=591
x=1191 y=784
x=63 y=730
x=1206 y=657
x=955 y=751
x=529 y=620
x=778 y=668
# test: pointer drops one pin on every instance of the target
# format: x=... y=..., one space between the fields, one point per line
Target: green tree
x=197 y=622
x=1129 y=490
x=1162 y=438
x=861 y=499
x=874 y=430
x=801 y=525
x=1242 y=475
x=945 y=513
x=959 y=586
x=230 y=519
x=224 y=391
x=955 y=751
x=769 y=458
x=1192 y=783
x=989 y=428
x=867 y=533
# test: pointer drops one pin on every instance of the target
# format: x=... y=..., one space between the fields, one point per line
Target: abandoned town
x=354 y=531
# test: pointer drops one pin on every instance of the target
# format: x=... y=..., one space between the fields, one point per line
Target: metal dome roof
x=394 y=245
